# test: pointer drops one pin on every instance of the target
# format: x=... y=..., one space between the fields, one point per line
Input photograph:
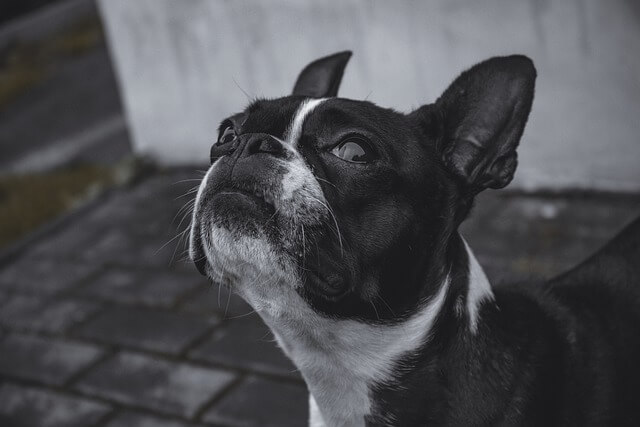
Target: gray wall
x=181 y=65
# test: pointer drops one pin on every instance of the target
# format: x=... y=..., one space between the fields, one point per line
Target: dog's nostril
x=270 y=146
x=219 y=150
x=264 y=144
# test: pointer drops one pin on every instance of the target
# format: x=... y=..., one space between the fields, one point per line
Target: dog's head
x=348 y=208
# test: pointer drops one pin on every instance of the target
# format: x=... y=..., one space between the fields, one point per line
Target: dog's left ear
x=322 y=77
x=481 y=119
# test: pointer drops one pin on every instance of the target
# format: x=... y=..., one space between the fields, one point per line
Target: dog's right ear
x=479 y=119
x=322 y=77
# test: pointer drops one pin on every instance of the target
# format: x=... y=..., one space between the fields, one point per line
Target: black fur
x=322 y=77
x=561 y=353
x=558 y=353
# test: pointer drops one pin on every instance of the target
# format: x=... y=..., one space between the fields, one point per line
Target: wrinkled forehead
x=285 y=118
x=273 y=117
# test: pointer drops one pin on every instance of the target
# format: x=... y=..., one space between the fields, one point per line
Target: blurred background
x=107 y=112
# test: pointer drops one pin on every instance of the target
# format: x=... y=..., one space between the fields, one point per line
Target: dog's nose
x=248 y=145
x=262 y=143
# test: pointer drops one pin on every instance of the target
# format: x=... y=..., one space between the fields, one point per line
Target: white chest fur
x=341 y=359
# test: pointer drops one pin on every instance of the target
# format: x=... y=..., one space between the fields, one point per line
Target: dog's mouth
x=241 y=206
x=235 y=218
x=262 y=199
x=235 y=206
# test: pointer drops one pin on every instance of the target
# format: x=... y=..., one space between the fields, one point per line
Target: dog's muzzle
x=243 y=182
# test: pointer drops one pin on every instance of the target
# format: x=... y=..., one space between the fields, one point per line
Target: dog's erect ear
x=322 y=77
x=483 y=115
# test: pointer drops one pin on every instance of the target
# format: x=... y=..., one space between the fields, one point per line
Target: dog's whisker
x=186 y=180
x=328 y=182
x=188 y=193
x=375 y=309
x=328 y=208
x=304 y=245
x=226 y=307
x=378 y=296
x=273 y=215
x=240 y=87
x=238 y=316
x=187 y=207
x=182 y=237
x=187 y=214
x=164 y=245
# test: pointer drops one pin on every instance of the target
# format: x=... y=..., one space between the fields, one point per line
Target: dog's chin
x=241 y=240
x=242 y=237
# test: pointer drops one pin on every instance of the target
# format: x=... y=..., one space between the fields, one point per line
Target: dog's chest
x=338 y=366
x=342 y=359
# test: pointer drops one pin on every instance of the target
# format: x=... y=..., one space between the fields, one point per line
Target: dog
x=337 y=221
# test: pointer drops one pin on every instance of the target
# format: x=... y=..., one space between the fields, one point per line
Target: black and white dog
x=337 y=220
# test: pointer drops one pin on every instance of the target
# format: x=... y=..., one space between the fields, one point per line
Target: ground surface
x=59 y=100
x=100 y=327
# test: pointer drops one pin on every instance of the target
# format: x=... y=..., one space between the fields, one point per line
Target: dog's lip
x=262 y=195
x=197 y=252
x=331 y=288
x=201 y=265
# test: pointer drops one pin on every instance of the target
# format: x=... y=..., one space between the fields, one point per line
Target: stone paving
x=105 y=324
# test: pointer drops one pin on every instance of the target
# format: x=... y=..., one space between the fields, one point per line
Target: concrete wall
x=185 y=65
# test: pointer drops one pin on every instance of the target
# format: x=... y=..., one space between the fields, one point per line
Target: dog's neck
x=341 y=360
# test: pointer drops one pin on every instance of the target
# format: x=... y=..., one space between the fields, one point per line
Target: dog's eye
x=355 y=150
x=227 y=135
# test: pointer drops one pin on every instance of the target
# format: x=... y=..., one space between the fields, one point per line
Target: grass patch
x=15 y=81
x=78 y=39
x=29 y=201
x=25 y=64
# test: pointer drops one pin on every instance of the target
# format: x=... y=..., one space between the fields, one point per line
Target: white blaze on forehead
x=479 y=288
x=295 y=128
x=299 y=179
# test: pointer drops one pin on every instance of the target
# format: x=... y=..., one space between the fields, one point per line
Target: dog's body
x=337 y=221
